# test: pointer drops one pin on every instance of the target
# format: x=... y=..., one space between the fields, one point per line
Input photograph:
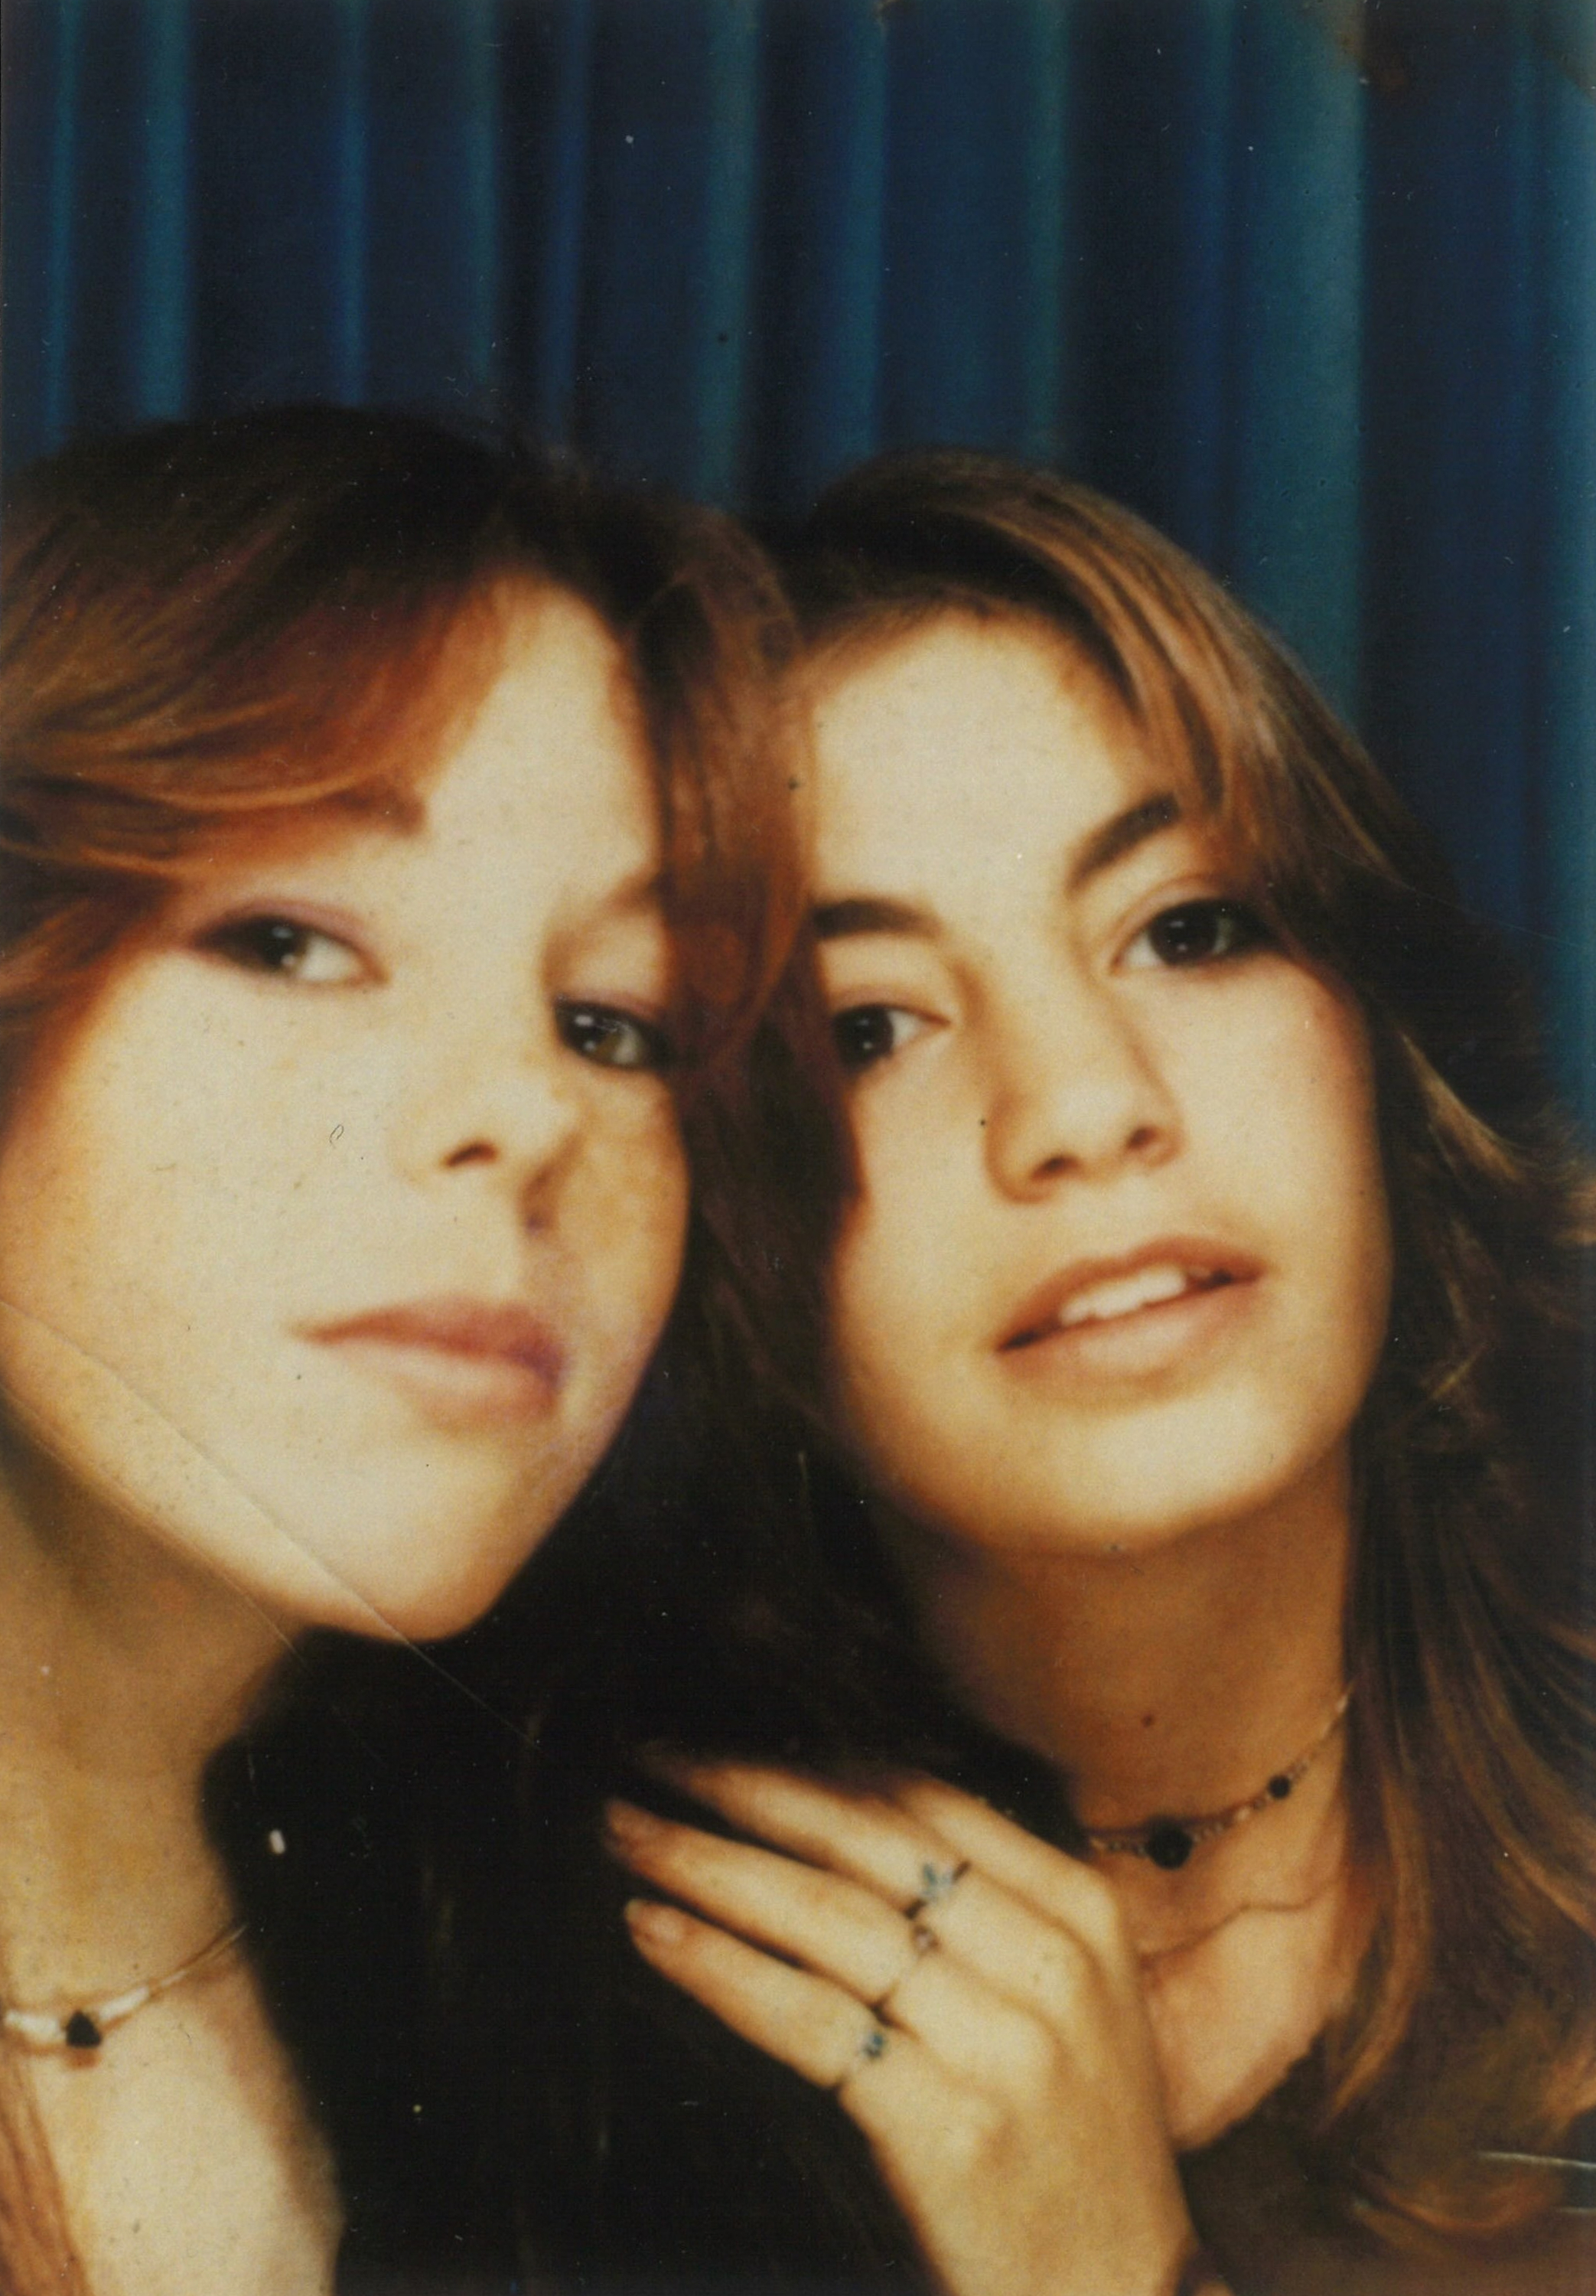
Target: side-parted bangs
x=211 y=627
x=1473 y=2042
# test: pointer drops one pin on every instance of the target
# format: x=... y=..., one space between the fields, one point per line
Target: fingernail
x=625 y=1822
x=652 y=1923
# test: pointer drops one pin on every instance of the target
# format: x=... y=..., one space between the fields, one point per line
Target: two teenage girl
x=1179 y=1334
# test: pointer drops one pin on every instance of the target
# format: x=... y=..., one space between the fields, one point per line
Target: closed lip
x=1211 y=1265
x=466 y=1359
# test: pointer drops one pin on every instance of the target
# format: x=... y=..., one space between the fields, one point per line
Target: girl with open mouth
x=1195 y=1456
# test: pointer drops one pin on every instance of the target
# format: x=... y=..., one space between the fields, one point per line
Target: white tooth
x=1147 y=1287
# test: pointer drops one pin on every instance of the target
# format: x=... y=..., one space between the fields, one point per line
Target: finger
x=1025 y=1957
x=862 y=1834
x=889 y=2085
x=1014 y=1958
x=991 y=2009
x=1035 y=1960
x=908 y=1840
x=833 y=1926
x=988 y=2039
x=839 y=1930
x=1061 y=1889
x=803 y=2021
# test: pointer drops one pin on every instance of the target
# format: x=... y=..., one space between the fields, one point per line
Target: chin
x=1137 y=1514
x=402 y=1593
x=412 y=1540
x=1089 y=1502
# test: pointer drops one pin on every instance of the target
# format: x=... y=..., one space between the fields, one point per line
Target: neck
x=122 y=1670
x=1171 y=1679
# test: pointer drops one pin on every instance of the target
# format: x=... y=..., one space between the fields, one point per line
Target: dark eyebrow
x=1120 y=836
x=871 y=913
x=837 y=920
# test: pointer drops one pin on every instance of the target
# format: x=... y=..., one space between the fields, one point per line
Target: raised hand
x=968 y=1994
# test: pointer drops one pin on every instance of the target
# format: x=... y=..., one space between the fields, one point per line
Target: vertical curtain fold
x=820 y=272
x=62 y=208
x=1564 y=784
x=1296 y=540
x=1457 y=481
x=160 y=345
x=548 y=95
x=349 y=224
x=726 y=259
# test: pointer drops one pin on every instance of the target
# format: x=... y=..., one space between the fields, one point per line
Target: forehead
x=555 y=727
x=525 y=774
x=965 y=744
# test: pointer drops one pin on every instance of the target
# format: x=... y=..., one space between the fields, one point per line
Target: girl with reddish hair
x=393 y=860
x=1185 y=1878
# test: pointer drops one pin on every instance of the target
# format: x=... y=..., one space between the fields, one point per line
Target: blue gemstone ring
x=871 y=2046
x=936 y=1886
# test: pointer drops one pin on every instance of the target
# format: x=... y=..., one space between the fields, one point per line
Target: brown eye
x=1197 y=933
x=868 y=1033
x=288 y=949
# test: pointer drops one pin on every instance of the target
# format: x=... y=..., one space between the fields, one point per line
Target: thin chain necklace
x=1169 y=1841
x=85 y=2028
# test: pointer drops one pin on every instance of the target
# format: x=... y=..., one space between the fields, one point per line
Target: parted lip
x=1200 y=1256
x=483 y=1330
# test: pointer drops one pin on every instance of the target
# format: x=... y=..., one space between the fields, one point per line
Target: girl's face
x=336 y=1235
x=1120 y=1264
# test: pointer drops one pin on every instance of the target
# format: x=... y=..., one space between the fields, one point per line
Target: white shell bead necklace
x=86 y=2027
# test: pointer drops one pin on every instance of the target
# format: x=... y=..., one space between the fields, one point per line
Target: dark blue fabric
x=1311 y=282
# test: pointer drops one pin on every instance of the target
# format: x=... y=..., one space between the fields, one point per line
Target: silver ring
x=870 y=2049
x=922 y=1939
x=936 y=1886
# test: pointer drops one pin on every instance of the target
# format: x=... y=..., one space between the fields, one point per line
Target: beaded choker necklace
x=86 y=2027
x=1169 y=1841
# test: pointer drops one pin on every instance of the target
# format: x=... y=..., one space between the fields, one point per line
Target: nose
x=1076 y=1092
x=512 y=1111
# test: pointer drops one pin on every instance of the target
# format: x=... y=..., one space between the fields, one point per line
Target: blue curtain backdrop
x=1311 y=282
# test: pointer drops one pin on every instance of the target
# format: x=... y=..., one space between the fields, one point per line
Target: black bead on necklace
x=1169 y=1841
x=85 y=2029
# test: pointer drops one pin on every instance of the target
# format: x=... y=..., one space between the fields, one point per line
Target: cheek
x=885 y=1332
x=1340 y=1124
x=1304 y=1136
x=634 y=1225
x=901 y=1294
x=133 y=1190
x=70 y=1207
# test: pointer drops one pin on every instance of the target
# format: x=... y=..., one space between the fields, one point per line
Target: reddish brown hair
x=1470 y=1636
x=211 y=626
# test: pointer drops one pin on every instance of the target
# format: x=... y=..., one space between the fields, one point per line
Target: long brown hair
x=210 y=626
x=1470 y=1641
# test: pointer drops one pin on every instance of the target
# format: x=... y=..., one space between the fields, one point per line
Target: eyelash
x=597 y=1032
x=1245 y=930
x=847 y=1029
x=1233 y=922
x=278 y=946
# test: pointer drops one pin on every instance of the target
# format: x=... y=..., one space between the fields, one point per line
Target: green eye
x=614 y=1039
x=1197 y=933
x=288 y=949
